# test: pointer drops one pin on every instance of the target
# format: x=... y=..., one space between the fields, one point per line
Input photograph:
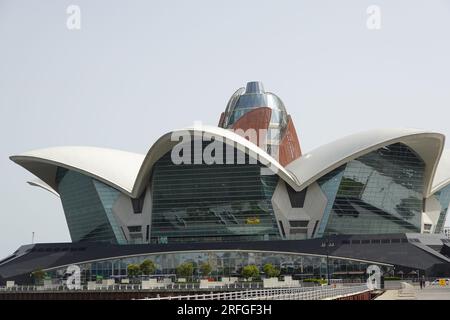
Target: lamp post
x=327 y=244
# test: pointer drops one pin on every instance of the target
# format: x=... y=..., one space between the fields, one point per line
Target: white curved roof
x=106 y=165
x=41 y=184
x=126 y=171
x=442 y=177
x=324 y=159
x=164 y=144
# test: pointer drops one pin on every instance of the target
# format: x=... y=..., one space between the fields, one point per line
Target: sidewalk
x=429 y=293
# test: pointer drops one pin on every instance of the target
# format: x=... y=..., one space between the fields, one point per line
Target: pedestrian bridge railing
x=136 y=287
x=311 y=293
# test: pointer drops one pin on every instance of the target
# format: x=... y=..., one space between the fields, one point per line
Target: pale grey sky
x=137 y=69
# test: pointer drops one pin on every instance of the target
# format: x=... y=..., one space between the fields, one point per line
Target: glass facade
x=252 y=97
x=380 y=192
x=443 y=196
x=88 y=205
x=227 y=263
x=249 y=102
x=329 y=185
x=217 y=202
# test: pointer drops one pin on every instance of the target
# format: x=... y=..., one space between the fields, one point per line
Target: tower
x=252 y=108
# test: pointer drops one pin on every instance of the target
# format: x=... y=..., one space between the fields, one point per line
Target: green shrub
x=314 y=280
x=133 y=270
x=392 y=278
x=250 y=271
x=185 y=270
x=147 y=267
x=205 y=269
x=271 y=271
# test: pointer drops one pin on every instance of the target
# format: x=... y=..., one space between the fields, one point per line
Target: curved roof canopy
x=129 y=172
x=113 y=167
x=41 y=184
x=442 y=177
x=326 y=158
x=126 y=171
x=169 y=140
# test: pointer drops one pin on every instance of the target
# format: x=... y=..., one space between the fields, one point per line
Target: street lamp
x=327 y=244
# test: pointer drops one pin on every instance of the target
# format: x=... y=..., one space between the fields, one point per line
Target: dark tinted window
x=299 y=231
x=297 y=198
x=298 y=223
x=138 y=204
x=134 y=228
x=282 y=228
x=315 y=227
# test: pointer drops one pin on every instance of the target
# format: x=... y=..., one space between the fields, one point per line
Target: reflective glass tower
x=252 y=108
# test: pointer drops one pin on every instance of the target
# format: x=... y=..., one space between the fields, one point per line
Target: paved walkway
x=429 y=293
x=434 y=293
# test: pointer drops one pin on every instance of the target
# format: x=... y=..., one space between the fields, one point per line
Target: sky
x=138 y=69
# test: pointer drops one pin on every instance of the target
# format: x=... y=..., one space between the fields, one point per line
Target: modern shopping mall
x=244 y=192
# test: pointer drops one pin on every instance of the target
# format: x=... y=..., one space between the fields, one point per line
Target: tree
x=250 y=271
x=205 y=268
x=147 y=267
x=133 y=270
x=271 y=271
x=38 y=275
x=185 y=269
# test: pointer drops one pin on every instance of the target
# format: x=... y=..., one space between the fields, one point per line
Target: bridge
x=353 y=291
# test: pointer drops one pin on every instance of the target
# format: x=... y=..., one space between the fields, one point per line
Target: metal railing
x=138 y=287
x=121 y=287
x=311 y=293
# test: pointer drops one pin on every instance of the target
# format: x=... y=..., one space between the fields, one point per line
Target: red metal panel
x=257 y=119
x=222 y=118
x=289 y=146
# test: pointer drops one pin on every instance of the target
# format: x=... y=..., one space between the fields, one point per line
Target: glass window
x=88 y=206
x=380 y=192
x=298 y=223
x=228 y=263
x=443 y=196
x=297 y=199
x=218 y=202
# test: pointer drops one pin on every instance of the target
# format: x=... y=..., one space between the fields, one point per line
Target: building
x=447 y=232
x=244 y=193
